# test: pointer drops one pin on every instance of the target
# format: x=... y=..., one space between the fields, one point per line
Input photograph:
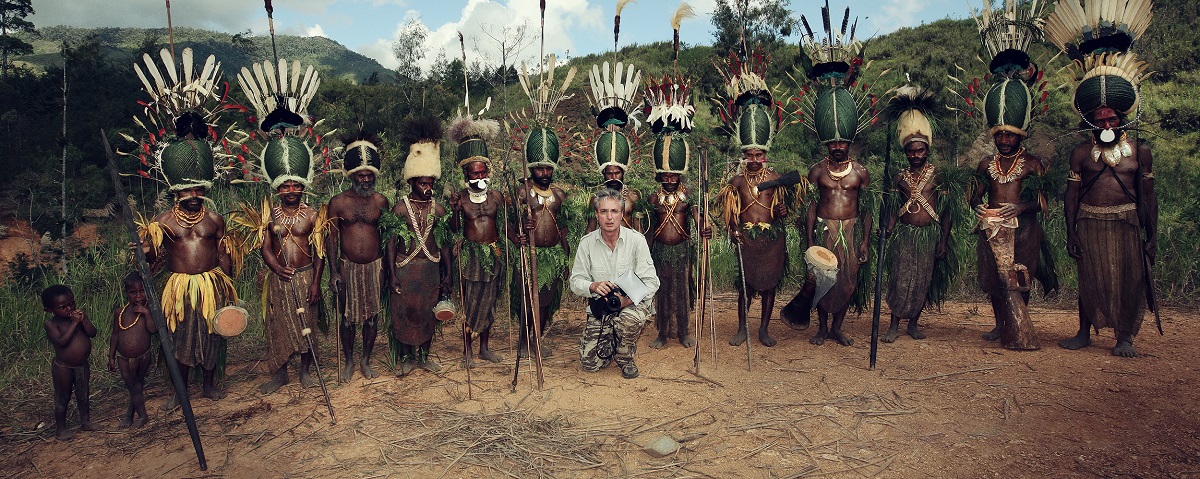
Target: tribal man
x=192 y=238
x=419 y=254
x=1110 y=200
x=477 y=214
x=355 y=253
x=546 y=228
x=918 y=232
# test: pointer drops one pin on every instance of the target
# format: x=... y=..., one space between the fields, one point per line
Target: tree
x=764 y=22
x=409 y=49
x=12 y=19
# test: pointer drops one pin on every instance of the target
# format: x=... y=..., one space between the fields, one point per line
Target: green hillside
x=234 y=51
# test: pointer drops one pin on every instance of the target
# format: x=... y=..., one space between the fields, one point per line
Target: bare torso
x=195 y=249
x=1007 y=176
x=419 y=222
x=1105 y=189
x=356 y=219
x=75 y=348
x=544 y=209
x=838 y=187
x=918 y=195
x=132 y=333
x=671 y=212
x=479 y=220
x=756 y=205
x=290 y=232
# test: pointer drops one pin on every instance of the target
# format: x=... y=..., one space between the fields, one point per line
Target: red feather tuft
x=143 y=174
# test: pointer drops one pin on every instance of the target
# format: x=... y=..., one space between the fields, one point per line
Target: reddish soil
x=951 y=405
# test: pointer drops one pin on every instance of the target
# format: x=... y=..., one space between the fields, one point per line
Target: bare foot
x=1078 y=341
x=141 y=421
x=765 y=338
x=430 y=365
x=406 y=366
x=367 y=371
x=915 y=332
x=992 y=335
x=126 y=421
x=91 y=426
x=307 y=380
x=213 y=393
x=659 y=343
x=890 y=336
x=523 y=352
x=738 y=338
x=841 y=338
x=1124 y=349
x=62 y=434
x=488 y=355
x=467 y=362
x=273 y=385
x=687 y=341
x=819 y=338
x=347 y=372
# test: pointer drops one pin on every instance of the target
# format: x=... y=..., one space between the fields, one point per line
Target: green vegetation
x=356 y=91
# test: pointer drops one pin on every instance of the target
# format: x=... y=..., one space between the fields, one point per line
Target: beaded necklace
x=121 y=324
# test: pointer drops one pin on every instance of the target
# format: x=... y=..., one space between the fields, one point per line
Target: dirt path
x=948 y=406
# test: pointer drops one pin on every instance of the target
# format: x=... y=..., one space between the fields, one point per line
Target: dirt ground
x=951 y=405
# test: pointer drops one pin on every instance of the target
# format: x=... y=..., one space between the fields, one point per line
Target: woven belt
x=1108 y=209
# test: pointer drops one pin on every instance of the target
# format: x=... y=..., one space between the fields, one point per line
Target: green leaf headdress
x=828 y=103
x=542 y=146
x=280 y=97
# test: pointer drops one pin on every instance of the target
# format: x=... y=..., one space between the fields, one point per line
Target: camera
x=606 y=305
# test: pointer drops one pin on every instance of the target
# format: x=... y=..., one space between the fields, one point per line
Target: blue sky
x=573 y=27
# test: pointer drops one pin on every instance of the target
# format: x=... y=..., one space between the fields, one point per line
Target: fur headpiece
x=1097 y=36
x=913 y=108
x=424 y=138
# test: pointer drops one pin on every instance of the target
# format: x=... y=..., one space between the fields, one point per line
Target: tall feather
x=845 y=21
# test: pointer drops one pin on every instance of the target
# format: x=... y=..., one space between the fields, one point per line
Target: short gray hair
x=610 y=193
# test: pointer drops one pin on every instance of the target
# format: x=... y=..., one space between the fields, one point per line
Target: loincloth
x=363 y=290
x=673 y=301
x=912 y=257
x=284 y=325
x=1112 y=291
x=1020 y=243
x=764 y=256
x=481 y=283
x=139 y=357
x=189 y=318
x=838 y=236
x=413 y=322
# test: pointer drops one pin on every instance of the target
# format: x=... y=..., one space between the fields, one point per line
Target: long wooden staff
x=463 y=306
x=744 y=306
x=702 y=257
x=170 y=33
x=884 y=209
x=305 y=331
x=156 y=311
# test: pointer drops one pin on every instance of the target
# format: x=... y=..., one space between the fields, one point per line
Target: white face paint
x=480 y=184
x=1108 y=136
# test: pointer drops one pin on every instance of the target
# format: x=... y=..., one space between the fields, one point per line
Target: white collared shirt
x=595 y=261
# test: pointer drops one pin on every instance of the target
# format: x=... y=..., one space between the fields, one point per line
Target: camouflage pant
x=596 y=344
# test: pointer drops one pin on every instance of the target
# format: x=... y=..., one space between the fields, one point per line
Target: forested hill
x=234 y=51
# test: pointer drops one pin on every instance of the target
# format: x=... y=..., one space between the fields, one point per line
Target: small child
x=70 y=331
x=130 y=342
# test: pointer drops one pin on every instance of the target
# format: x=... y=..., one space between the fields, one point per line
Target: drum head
x=444 y=311
x=230 y=321
x=819 y=257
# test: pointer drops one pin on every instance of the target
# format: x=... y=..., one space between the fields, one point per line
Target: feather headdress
x=751 y=115
x=1017 y=93
x=827 y=101
x=1097 y=35
x=280 y=97
x=542 y=143
x=181 y=148
x=471 y=135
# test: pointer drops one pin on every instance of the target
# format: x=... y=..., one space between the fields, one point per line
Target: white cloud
x=480 y=17
x=315 y=31
x=896 y=14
